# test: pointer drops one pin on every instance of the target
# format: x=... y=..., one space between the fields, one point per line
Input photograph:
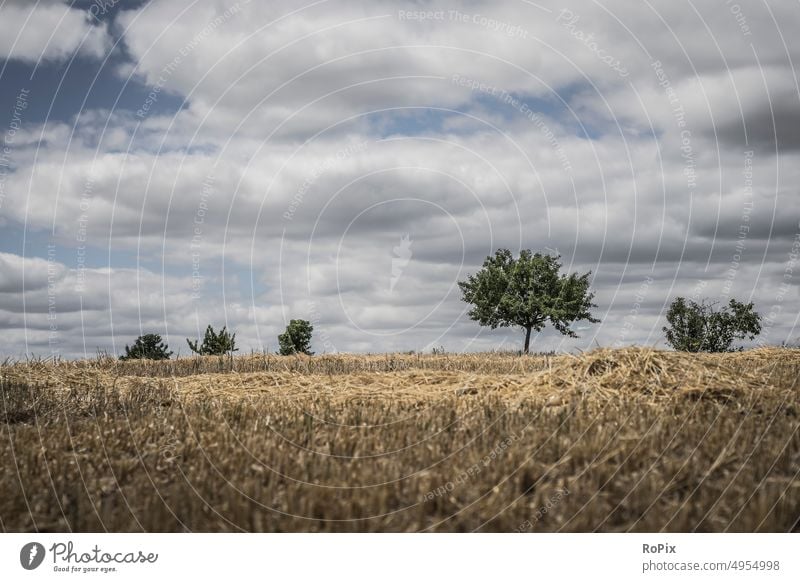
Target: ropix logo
x=31 y=555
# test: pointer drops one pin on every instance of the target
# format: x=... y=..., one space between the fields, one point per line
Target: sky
x=171 y=164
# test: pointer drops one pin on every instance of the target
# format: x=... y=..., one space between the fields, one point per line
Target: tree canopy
x=527 y=292
x=147 y=347
x=214 y=344
x=700 y=327
x=296 y=339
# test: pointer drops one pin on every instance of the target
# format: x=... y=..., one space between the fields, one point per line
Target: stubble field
x=612 y=440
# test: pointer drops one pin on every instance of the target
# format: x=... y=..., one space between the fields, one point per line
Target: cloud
x=312 y=139
x=18 y=275
x=49 y=30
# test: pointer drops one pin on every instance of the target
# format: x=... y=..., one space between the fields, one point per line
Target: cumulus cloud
x=38 y=30
x=650 y=145
x=18 y=275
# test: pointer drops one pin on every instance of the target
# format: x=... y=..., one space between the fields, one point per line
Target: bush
x=296 y=339
x=147 y=347
x=214 y=344
x=699 y=327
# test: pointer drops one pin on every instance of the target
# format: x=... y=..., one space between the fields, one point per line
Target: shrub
x=214 y=344
x=147 y=347
x=699 y=327
x=296 y=339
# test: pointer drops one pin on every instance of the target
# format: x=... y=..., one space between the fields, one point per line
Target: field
x=612 y=440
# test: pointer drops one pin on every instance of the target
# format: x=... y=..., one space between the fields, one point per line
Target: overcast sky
x=174 y=163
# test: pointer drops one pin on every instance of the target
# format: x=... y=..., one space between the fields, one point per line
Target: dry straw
x=643 y=440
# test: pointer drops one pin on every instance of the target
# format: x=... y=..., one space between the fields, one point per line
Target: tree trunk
x=527 y=339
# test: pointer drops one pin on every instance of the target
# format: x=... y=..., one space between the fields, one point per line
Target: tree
x=296 y=339
x=699 y=327
x=147 y=347
x=214 y=344
x=527 y=292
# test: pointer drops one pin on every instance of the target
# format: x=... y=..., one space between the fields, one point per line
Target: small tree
x=527 y=292
x=296 y=339
x=699 y=327
x=147 y=347
x=214 y=344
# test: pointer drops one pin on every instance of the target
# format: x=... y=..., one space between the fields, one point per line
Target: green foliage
x=147 y=347
x=296 y=339
x=527 y=292
x=214 y=344
x=699 y=327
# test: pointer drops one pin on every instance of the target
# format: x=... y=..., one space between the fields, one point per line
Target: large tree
x=700 y=327
x=527 y=292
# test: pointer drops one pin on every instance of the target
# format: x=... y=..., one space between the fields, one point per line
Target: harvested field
x=612 y=440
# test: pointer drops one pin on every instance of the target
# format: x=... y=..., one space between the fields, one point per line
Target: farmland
x=612 y=440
